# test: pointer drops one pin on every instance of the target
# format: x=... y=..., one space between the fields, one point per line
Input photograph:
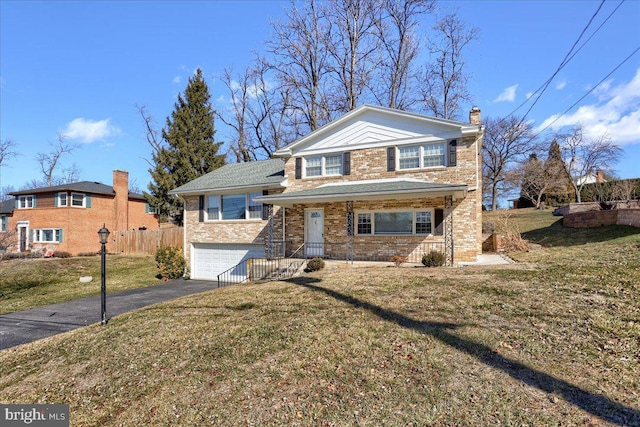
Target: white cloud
x=507 y=95
x=177 y=79
x=561 y=85
x=616 y=113
x=88 y=131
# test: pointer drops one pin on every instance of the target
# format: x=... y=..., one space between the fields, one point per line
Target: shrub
x=88 y=254
x=433 y=259
x=171 y=262
x=314 y=264
x=61 y=254
x=398 y=260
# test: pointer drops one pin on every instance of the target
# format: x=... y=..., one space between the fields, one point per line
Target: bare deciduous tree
x=584 y=157
x=152 y=135
x=445 y=78
x=506 y=142
x=301 y=59
x=353 y=46
x=7 y=151
x=399 y=42
x=48 y=162
x=239 y=90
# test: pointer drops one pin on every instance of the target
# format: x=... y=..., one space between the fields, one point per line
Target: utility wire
x=564 y=62
x=571 y=57
x=588 y=92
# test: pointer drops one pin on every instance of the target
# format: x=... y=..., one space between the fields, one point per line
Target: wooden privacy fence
x=145 y=241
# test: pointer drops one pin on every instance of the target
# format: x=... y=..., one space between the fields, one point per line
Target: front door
x=314 y=232
x=23 y=236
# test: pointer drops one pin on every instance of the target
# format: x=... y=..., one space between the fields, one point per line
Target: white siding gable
x=369 y=127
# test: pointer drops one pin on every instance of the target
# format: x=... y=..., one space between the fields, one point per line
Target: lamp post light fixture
x=104 y=238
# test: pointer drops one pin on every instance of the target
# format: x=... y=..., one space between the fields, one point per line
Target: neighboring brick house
x=67 y=217
x=374 y=183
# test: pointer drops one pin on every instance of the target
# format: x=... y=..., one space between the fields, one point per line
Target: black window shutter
x=438 y=219
x=298 y=167
x=391 y=159
x=201 y=208
x=346 y=163
x=452 y=152
x=265 y=207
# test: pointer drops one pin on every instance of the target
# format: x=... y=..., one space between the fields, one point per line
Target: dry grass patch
x=374 y=346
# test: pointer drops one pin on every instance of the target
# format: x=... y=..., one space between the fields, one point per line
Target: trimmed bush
x=61 y=254
x=314 y=264
x=433 y=259
x=88 y=254
x=171 y=262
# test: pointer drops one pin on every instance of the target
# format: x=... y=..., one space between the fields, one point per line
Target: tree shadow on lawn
x=595 y=404
x=557 y=234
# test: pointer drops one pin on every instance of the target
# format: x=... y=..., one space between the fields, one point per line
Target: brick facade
x=80 y=225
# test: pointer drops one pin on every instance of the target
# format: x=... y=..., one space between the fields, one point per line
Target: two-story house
x=375 y=183
x=67 y=217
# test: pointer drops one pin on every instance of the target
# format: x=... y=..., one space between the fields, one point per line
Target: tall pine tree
x=188 y=149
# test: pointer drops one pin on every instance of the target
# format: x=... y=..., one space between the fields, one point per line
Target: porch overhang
x=384 y=189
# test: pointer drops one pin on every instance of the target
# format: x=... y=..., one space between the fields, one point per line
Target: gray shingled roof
x=81 y=187
x=365 y=191
x=7 y=206
x=265 y=173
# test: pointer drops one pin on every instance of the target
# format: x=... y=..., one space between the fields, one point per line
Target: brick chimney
x=474 y=116
x=599 y=177
x=121 y=205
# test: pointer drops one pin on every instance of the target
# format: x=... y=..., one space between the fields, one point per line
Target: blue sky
x=79 y=68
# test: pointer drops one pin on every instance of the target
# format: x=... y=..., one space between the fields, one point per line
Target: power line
x=588 y=92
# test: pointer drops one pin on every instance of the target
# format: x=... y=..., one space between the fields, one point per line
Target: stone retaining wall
x=601 y=218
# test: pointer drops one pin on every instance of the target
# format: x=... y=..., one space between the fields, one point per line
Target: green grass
x=29 y=283
x=552 y=340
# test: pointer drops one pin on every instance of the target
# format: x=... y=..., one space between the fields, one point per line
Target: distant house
x=67 y=217
x=375 y=183
x=591 y=178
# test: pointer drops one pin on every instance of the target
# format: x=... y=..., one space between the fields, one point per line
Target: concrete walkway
x=30 y=325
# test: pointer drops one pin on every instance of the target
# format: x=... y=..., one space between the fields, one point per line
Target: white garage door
x=211 y=260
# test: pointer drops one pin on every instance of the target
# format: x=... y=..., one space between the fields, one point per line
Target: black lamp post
x=104 y=238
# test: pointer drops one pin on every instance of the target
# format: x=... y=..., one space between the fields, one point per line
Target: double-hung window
x=389 y=223
x=26 y=202
x=330 y=165
x=233 y=207
x=4 y=223
x=422 y=156
x=78 y=200
x=62 y=200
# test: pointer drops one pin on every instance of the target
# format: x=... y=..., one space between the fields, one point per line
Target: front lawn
x=552 y=340
x=29 y=283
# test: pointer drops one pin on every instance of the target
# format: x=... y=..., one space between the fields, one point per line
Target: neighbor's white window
x=78 y=200
x=47 y=235
x=26 y=202
x=233 y=207
x=4 y=223
x=422 y=156
x=62 y=200
x=384 y=223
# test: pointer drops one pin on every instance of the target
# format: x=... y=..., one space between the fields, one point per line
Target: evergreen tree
x=561 y=192
x=188 y=149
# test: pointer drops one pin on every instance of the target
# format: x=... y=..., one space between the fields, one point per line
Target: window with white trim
x=228 y=207
x=389 y=223
x=26 y=202
x=422 y=156
x=4 y=223
x=78 y=200
x=47 y=235
x=330 y=165
x=62 y=200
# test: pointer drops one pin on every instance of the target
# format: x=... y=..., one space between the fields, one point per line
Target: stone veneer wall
x=372 y=164
x=602 y=218
x=252 y=231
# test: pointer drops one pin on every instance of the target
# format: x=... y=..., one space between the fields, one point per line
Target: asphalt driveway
x=30 y=325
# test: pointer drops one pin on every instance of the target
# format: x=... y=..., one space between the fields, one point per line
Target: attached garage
x=209 y=260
